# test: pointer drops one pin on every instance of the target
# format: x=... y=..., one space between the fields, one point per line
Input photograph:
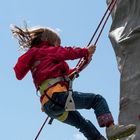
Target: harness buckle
x=69 y=105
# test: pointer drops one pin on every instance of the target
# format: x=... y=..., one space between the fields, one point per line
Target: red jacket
x=47 y=62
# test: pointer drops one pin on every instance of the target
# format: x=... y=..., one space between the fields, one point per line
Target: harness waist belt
x=50 y=86
x=49 y=83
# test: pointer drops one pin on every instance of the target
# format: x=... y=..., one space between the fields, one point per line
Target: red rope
x=41 y=128
x=100 y=22
x=111 y=7
x=82 y=62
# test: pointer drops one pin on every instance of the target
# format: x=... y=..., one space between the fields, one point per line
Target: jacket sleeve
x=23 y=64
x=71 y=53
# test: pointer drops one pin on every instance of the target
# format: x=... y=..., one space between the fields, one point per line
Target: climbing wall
x=125 y=38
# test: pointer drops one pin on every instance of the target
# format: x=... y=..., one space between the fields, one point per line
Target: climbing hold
x=139 y=117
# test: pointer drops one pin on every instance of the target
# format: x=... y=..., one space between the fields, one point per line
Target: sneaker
x=119 y=131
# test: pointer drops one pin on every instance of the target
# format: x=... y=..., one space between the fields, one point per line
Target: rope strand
x=82 y=62
x=111 y=7
x=41 y=128
x=100 y=23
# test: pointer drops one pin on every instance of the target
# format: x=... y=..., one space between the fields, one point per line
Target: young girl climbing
x=45 y=58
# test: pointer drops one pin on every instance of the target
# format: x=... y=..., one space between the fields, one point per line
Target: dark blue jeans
x=74 y=118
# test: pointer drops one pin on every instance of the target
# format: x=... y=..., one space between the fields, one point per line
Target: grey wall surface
x=125 y=38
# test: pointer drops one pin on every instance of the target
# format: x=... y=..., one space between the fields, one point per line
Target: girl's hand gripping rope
x=85 y=61
x=91 y=50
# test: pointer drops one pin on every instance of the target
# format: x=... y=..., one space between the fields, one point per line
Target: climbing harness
x=69 y=105
x=43 y=88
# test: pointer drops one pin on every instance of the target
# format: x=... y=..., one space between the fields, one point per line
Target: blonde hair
x=28 y=36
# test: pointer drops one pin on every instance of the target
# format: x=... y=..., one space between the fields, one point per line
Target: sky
x=20 y=110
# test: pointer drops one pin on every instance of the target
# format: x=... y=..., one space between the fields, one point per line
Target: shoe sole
x=127 y=133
